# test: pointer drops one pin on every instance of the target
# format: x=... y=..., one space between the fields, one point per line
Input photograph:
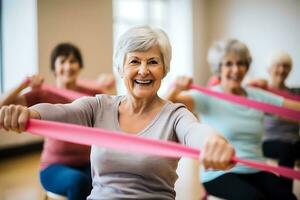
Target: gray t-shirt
x=281 y=130
x=121 y=175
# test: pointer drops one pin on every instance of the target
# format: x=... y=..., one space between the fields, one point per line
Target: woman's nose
x=67 y=64
x=235 y=68
x=143 y=69
x=281 y=68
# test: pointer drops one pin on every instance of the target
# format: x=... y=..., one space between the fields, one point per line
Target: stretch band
x=130 y=143
x=90 y=84
x=134 y=144
x=69 y=94
x=268 y=108
x=284 y=94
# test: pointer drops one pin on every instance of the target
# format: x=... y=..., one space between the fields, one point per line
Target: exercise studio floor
x=19 y=180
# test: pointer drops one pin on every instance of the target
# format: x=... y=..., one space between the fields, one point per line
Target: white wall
x=181 y=37
x=262 y=25
x=19 y=25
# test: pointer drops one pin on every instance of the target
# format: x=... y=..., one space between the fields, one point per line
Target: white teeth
x=234 y=78
x=143 y=81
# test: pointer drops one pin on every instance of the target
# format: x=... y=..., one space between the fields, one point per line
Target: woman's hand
x=182 y=83
x=217 y=153
x=261 y=83
x=107 y=83
x=175 y=94
x=35 y=81
x=15 y=117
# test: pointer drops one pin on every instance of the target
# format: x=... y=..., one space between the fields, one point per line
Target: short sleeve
x=189 y=130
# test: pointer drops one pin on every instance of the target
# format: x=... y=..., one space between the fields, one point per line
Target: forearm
x=172 y=95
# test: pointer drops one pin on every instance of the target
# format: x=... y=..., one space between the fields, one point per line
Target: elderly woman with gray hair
x=142 y=59
x=242 y=126
x=281 y=139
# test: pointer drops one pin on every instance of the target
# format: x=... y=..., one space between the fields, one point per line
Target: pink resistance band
x=90 y=84
x=134 y=144
x=265 y=107
x=121 y=141
x=69 y=94
x=284 y=94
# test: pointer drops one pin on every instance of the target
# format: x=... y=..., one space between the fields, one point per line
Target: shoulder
x=254 y=93
x=177 y=110
x=108 y=100
x=173 y=107
x=264 y=96
x=202 y=100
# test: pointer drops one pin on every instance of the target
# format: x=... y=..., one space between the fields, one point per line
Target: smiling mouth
x=234 y=78
x=143 y=82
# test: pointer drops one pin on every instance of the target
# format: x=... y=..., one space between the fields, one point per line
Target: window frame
x=1 y=51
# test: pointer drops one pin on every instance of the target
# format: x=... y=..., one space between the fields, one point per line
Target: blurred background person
x=242 y=126
x=65 y=167
x=281 y=138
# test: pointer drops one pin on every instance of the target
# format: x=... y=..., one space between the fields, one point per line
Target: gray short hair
x=143 y=38
x=278 y=56
x=221 y=48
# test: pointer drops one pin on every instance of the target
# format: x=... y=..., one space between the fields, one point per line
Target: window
x=173 y=16
x=1 y=69
x=19 y=41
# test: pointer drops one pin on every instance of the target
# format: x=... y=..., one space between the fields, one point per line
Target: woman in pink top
x=65 y=167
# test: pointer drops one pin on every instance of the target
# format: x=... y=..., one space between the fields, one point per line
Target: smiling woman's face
x=142 y=73
x=66 y=69
x=279 y=72
x=233 y=70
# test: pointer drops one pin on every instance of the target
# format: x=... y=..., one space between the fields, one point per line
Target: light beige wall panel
x=88 y=24
x=200 y=43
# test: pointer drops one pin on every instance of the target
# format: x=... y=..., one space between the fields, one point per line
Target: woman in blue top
x=242 y=126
